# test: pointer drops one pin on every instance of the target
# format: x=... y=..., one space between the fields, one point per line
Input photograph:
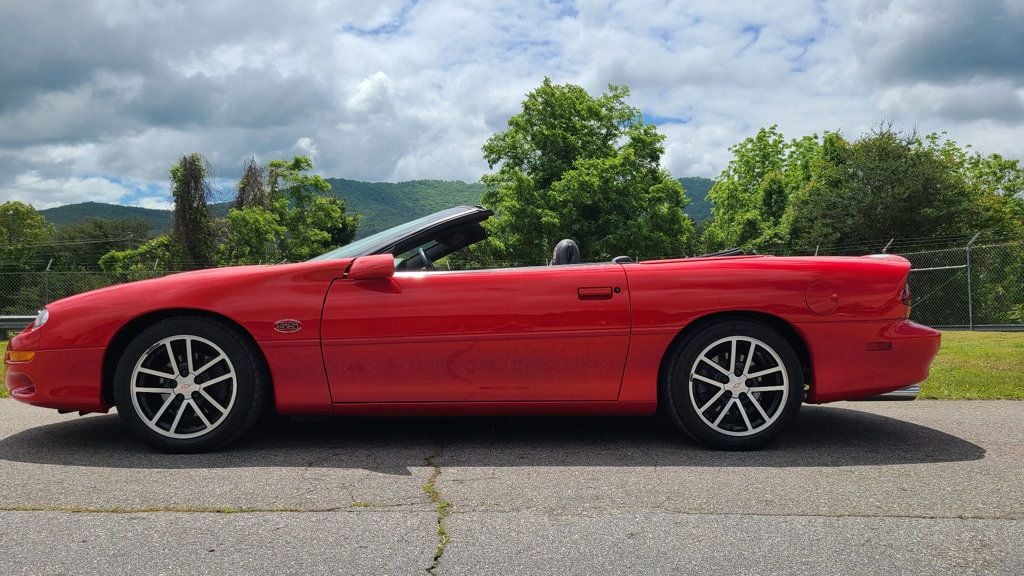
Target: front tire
x=190 y=384
x=732 y=385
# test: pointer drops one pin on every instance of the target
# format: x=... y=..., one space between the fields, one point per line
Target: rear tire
x=190 y=384
x=733 y=385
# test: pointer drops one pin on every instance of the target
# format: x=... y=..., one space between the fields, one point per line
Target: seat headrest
x=566 y=252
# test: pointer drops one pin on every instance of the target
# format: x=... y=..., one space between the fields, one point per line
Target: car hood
x=239 y=292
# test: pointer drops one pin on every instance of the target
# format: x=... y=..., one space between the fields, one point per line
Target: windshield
x=368 y=245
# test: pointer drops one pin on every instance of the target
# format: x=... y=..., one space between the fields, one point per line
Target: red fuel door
x=822 y=298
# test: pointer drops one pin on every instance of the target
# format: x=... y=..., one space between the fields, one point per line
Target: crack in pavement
x=443 y=512
x=442 y=505
x=353 y=508
x=464 y=509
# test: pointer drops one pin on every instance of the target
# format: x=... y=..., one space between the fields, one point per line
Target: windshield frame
x=383 y=241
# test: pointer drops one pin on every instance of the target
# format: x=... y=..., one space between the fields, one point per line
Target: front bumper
x=68 y=379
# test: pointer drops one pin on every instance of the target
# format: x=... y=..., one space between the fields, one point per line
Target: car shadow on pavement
x=821 y=436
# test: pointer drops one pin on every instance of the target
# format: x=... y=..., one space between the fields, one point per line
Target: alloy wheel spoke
x=765 y=388
x=715 y=365
x=743 y=413
x=212 y=401
x=157 y=373
x=216 y=380
x=707 y=380
x=764 y=372
x=757 y=405
x=152 y=390
x=750 y=357
x=209 y=365
x=163 y=408
x=171 y=359
x=177 y=417
x=188 y=355
x=732 y=357
x=712 y=401
x=195 y=408
x=722 y=414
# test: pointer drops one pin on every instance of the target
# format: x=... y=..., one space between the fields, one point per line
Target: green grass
x=977 y=365
x=3 y=387
x=970 y=365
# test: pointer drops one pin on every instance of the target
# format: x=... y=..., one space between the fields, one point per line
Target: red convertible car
x=726 y=347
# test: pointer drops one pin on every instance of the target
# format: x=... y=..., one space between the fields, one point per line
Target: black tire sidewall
x=250 y=398
x=675 y=383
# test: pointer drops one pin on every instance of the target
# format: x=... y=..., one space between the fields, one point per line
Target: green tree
x=255 y=235
x=996 y=185
x=891 y=185
x=24 y=252
x=572 y=165
x=826 y=170
x=751 y=195
x=192 y=229
x=152 y=258
x=80 y=246
x=314 y=220
x=792 y=196
x=252 y=186
x=23 y=231
x=294 y=219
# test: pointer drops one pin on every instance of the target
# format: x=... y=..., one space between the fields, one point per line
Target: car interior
x=422 y=250
x=420 y=253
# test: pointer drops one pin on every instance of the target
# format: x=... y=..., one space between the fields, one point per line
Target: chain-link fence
x=27 y=292
x=972 y=286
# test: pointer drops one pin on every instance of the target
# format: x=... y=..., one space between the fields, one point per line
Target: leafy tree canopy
x=750 y=197
x=890 y=185
x=22 y=230
x=572 y=165
x=294 y=220
x=161 y=254
x=784 y=196
x=81 y=245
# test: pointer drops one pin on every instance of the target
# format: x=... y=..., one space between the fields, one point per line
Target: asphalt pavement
x=923 y=487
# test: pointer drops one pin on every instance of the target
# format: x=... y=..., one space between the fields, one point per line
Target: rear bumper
x=906 y=393
x=62 y=379
x=854 y=360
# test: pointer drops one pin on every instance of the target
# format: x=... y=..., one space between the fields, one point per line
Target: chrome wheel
x=738 y=386
x=183 y=386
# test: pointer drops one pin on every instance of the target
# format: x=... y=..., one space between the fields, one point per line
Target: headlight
x=41 y=318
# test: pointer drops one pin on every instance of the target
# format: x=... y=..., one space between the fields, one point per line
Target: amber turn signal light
x=20 y=356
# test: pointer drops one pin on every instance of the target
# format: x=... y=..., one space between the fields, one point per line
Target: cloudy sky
x=99 y=98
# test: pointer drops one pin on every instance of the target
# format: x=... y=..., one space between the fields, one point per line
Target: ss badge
x=287 y=326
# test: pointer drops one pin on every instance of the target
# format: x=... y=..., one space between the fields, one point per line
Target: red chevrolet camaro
x=726 y=347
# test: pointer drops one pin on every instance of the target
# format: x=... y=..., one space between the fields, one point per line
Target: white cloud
x=398 y=90
x=307 y=147
x=43 y=192
x=154 y=202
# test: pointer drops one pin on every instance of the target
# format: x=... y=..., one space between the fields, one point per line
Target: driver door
x=557 y=333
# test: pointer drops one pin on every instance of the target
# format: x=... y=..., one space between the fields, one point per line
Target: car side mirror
x=373 y=267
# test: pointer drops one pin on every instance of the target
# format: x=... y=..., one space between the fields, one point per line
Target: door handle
x=595 y=293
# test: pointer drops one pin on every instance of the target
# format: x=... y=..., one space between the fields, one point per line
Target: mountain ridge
x=380 y=204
